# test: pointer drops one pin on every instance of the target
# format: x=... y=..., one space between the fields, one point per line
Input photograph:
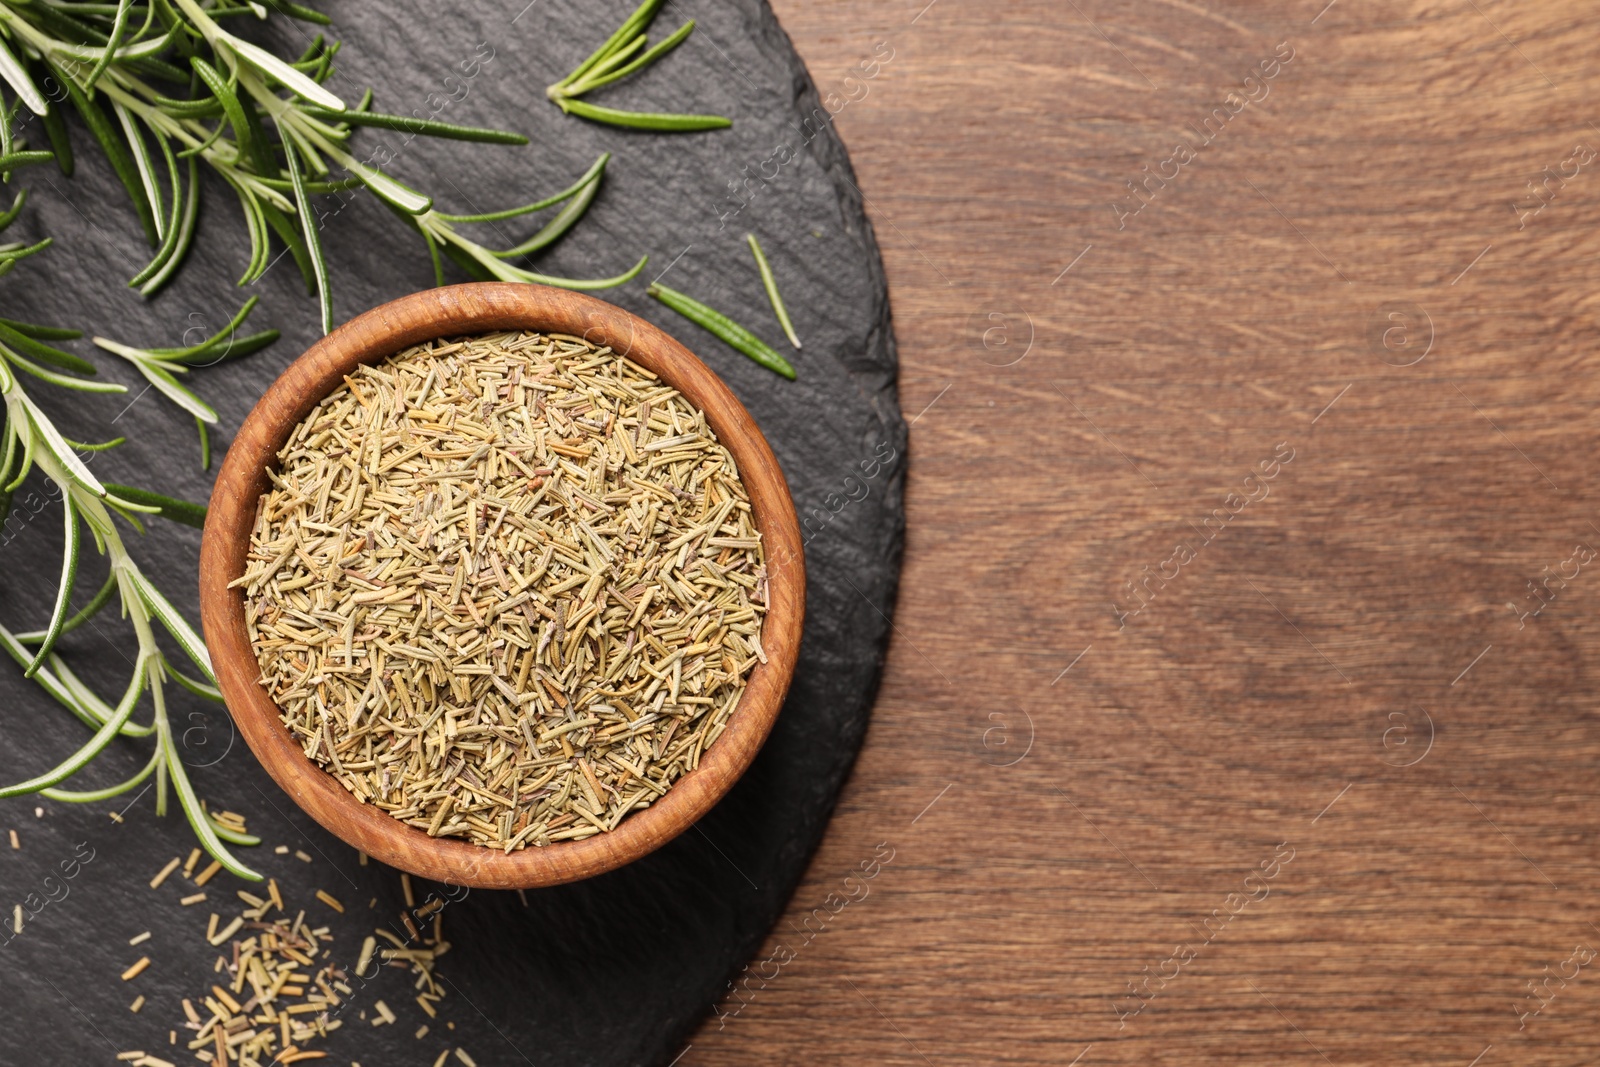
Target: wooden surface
x=450 y=312
x=1326 y=784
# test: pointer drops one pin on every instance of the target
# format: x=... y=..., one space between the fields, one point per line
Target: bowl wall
x=462 y=310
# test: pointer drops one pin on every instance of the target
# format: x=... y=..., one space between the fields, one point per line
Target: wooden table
x=1224 y=720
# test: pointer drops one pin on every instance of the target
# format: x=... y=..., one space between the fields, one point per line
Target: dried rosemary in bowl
x=506 y=588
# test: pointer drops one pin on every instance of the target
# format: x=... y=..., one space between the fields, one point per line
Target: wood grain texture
x=455 y=311
x=1207 y=734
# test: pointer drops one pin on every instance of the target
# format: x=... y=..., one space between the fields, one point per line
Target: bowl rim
x=456 y=311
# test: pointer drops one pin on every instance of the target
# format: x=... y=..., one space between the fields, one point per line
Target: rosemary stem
x=92 y=503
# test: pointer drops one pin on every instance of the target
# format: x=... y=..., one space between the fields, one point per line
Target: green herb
x=437 y=229
x=160 y=365
x=771 y=285
x=176 y=510
x=29 y=440
x=624 y=53
x=269 y=127
x=725 y=328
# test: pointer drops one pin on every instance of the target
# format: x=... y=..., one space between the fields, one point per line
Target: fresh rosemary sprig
x=160 y=365
x=267 y=126
x=619 y=57
x=32 y=440
x=29 y=440
x=438 y=230
x=735 y=335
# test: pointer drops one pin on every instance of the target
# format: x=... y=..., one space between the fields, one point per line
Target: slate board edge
x=830 y=151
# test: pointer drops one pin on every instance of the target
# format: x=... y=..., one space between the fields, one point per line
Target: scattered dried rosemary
x=275 y=992
x=506 y=588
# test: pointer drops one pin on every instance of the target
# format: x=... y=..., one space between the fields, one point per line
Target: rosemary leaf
x=168 y=508
x=101 y=447
x=290 y=234
x=730 y=332
x=297 y=11
x=51 y=443
x=256 y=223
x=9 y=254
x=118 y=27
x=484 y=265
x=46 y=680
x=50 y=17
x=771 y=285
x=116 y=152
x=13 y=160
x=308 y=225
x=556 y=227
x=188 y=109
x=210 y=344
x=595 y=171
x=655 y=53
x=204 y=690
x=60 y=144
x=9 y=216
x=182 y=241
x=93 y=795
x=433 y=256
x=142 y=167
x=93 y=711
x=631 y=27
x=235 y=348
x=391 y=192
x=173 y=622
x=69 y=578
x=284 y=74
x=29 y=367
x=421 y=127
x=16 y=75
x=174 y=226
x=39 y=333
x=13 y=338
x=201 y=824
x=159 y=374
x=233 y=837
x=643 y=120
x=144 y=50
x=26 y=463
x=80 y=759
x=602 y=68
x=244 y=131
x=96 y=602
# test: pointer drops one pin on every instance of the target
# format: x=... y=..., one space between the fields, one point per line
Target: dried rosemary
x=506 y=588
x=277 y=989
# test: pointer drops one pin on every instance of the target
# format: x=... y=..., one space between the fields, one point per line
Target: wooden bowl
x=457 y=311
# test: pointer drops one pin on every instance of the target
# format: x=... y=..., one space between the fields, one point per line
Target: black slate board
x=616 y=970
